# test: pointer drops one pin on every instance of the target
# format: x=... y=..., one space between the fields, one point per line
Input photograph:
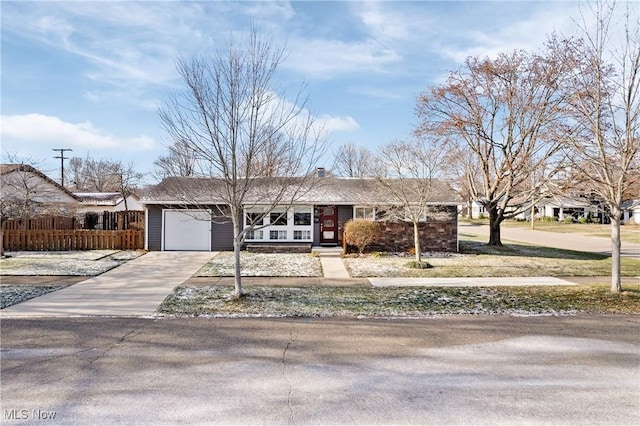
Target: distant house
x=560 y=207
x=631 y=212
x=27 y=191
x=106 y=201
x=316 y=219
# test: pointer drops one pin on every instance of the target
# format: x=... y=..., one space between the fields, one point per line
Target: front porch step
x=324 y=251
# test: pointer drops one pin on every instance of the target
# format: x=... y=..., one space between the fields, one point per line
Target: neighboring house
x=553 y=207
x=631 y=212
x=560 y=207
x=98 y=202
x=26 y=191
x=316 y=219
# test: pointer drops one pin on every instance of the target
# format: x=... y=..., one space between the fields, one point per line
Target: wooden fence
x=72 y=239
x=41 y=223
x=115 y=221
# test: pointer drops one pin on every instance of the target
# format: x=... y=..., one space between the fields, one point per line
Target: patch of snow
x=263 y=265
x=82 y=263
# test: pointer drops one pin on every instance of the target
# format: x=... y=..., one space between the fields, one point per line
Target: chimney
x=321 y=172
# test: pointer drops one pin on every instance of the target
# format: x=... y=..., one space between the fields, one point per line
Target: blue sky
x=90 y=76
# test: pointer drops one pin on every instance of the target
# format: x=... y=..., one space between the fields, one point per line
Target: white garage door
x=187 y=231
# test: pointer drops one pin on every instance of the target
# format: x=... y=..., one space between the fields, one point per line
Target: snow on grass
x=263 y=265
x=400 y=302
x=83 y=263
x=13 y=294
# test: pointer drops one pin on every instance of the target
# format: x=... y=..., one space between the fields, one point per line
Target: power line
x=62 y=158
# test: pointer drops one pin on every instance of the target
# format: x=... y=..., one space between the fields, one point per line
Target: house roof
x=324 y=190
x=630 y=204
x=5 y=169
x=565 y=202
x=101 y=198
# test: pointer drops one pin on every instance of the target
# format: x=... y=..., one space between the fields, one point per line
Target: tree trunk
x=236 y=263
x=494 y=226
x=470 y=209
x=533 y=214
x=616 y=282
x=1 y=241
x=416 y=242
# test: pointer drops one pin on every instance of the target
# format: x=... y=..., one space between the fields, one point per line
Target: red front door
x=328 y=225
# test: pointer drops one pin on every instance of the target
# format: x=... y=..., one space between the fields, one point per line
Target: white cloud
x=527 y=33
x=328 y=58
x=338 y=124
x=383 y=23
x=38 y=128
x=268 y=10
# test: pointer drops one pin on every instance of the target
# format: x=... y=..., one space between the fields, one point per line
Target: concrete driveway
x=446 y=370
x=133 y=289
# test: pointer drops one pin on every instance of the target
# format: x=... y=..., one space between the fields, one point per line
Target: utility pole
x=62 y=158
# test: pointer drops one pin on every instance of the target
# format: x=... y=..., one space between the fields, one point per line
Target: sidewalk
x=133 y=289
x=469 y=282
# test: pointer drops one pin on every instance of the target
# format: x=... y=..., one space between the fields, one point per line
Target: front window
x=301 y=235
x=254 y=219
x=302 y=218
x=277 y=234
x=280 y=224
x=368 y=213
x=254 y=235
x=278 y=218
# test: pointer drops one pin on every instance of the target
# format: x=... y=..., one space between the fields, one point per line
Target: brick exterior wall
x=438 y=234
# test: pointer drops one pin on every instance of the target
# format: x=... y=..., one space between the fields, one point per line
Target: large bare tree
x=100 y=175
x=253 y=146
x=409 y=172
x=501 y=111
x=603 y=141
x=353 y=161
x=180 y=161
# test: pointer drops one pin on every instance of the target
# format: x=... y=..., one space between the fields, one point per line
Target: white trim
x=146 y=228
x=289 y=228
x=373 y=211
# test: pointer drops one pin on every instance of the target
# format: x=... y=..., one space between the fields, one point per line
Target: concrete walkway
x=567 y=241
x=333 y=267
x=331 y=262
x=468 y=282
x=133 y=289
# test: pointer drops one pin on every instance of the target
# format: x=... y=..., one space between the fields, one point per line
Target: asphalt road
x=445 y=370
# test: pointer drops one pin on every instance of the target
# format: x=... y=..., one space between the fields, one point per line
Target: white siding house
x=106 y=201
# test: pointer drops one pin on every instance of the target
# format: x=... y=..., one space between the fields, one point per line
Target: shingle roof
x=9 y=168
x=99 y=198
x=327 y=190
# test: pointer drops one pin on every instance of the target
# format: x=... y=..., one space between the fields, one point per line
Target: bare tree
x=180 y=161
x=408 y=171
x=353 y=161
x=240 y=127
x=127 y=180
x=91 y=175
x=464 y=171
x=503 y=110
x=25 y=192
x=604 y=141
